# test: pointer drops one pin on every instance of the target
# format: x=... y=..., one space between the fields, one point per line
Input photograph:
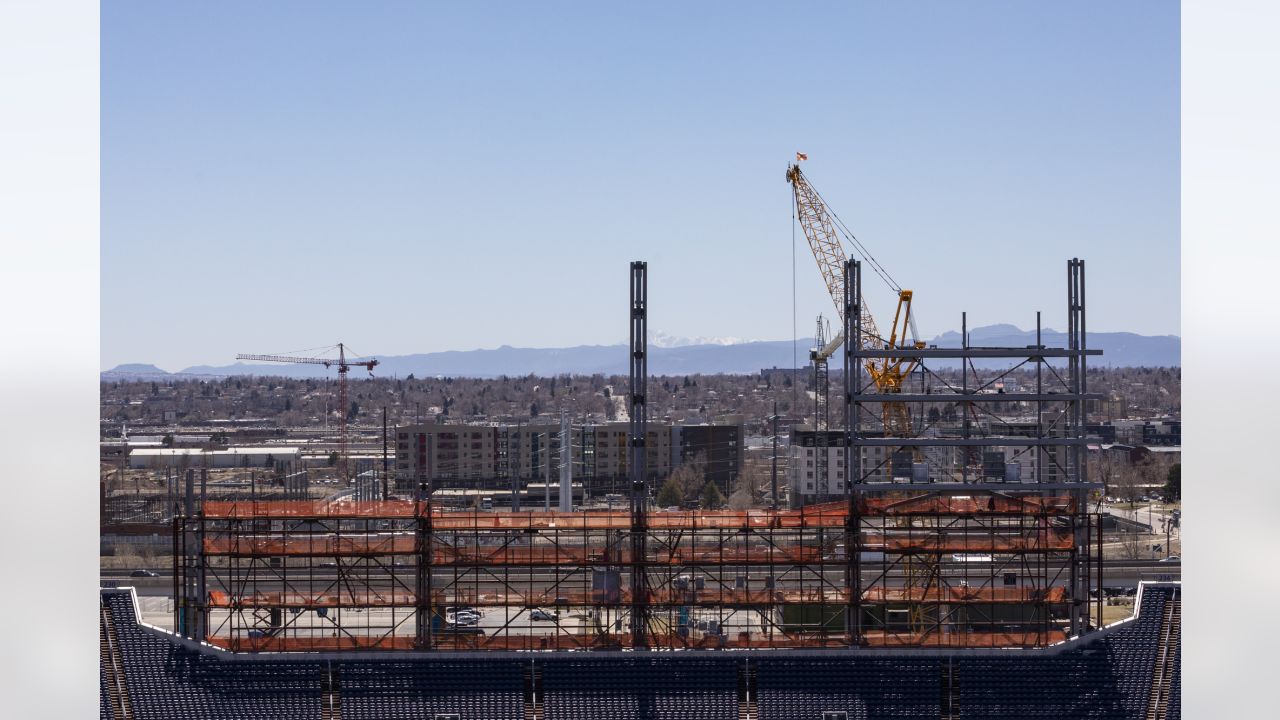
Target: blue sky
x=415 y=177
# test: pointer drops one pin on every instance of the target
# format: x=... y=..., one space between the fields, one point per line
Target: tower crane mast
x=343 y=365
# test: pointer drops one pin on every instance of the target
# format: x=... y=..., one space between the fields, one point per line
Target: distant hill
x=584 y=359
x=137 y=369
x=1119 y=350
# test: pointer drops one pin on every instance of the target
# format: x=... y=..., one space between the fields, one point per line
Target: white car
x=462 y=619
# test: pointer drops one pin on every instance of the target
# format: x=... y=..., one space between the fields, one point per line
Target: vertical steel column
x=201 y=595
x=423 y=610
x=852 y=452
x=639 y=428
x=1080 y=542
x=1084 y=466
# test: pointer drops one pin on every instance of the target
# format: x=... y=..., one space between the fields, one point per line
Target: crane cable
x=857 y=244
x=866 y=254
x=305 y=350
x=795 y=367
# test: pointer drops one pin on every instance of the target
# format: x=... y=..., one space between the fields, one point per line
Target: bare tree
x=691 y=476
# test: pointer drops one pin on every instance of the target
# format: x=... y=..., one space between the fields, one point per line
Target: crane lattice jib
x=343 y=366
x=820 y=231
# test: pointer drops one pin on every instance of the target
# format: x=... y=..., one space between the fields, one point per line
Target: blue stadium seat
x=1108 y=678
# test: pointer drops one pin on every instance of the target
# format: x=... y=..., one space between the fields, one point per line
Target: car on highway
x=462 y=619
x=144 y=573
x=1172 y=558
x=543 y=615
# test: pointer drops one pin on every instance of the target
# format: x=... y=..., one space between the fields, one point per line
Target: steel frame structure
x=1040 y=557
x=885 y=566
x=348 y=575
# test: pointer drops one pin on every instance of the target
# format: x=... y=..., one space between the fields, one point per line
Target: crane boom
x=343 y=366
x=327 y=362
x=286 y=359
x=824 y=242
x=820 y=229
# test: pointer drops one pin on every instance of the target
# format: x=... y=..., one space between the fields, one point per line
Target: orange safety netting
x=824 y=515
x=968 y=505
x=311 y=545
x=511 y=555
x=400 y=598
x=1042 y=540
x=960 y=594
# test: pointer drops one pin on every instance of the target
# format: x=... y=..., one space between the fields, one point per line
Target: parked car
x=540 y=614
x=144 y=573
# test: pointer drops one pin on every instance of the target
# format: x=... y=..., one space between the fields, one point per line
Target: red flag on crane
x=801 y=156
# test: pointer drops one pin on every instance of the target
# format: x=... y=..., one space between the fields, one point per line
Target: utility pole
x=773 y=483
x=385 y=468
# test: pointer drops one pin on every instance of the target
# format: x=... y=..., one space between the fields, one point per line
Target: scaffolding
x=337 y=575
x=917 y=552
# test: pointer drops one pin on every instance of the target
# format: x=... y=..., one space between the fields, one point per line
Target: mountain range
x=672 y=357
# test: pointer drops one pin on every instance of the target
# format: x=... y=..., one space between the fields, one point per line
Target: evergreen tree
x=711 y=496
x=669 y=494
x=1173 y=483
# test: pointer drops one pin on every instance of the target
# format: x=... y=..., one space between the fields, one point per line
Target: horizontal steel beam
x=926 y=353
x=973 y=397
x=970 y=442
x=882 y=487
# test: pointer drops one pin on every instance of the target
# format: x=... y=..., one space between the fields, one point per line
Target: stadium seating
x=400 y=690
x=104 y=706
x=872 y=687
x=659 y=687
x=166 y=680
x=1107 y=678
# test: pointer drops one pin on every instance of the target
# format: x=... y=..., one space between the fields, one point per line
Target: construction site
x=923 y=532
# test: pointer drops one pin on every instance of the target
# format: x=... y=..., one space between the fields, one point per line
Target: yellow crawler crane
x=822 y=229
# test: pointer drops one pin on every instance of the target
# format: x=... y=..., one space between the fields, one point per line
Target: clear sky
x=415 y=177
